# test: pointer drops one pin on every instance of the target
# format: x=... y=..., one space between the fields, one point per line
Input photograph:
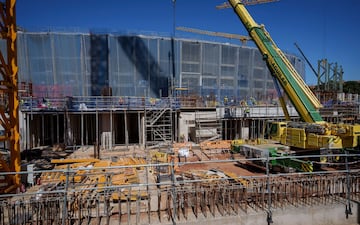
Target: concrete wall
x=186 y=120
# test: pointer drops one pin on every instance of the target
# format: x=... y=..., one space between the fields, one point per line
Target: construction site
x=171 y=130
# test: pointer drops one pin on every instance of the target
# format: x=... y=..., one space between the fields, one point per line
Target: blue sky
x=322 y=28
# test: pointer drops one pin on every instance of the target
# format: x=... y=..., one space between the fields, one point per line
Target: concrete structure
x=76 y=86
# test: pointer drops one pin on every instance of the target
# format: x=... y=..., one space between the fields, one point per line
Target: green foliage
x=352 y=87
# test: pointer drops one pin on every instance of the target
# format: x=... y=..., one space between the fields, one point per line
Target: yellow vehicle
x=313 y=133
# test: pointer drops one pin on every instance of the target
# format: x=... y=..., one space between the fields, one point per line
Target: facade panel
x=59 y=65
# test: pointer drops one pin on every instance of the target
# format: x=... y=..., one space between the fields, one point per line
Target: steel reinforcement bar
x=179 y=201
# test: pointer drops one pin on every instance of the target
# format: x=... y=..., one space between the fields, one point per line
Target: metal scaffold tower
x=329 y=80
x=158 y=125
x=9 y=107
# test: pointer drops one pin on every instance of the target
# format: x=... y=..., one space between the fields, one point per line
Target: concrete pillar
x=126 y=129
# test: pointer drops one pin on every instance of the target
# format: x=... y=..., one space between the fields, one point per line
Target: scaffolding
x=159 y=123
x=329 y=80
x=208 y=126
x=139 y=65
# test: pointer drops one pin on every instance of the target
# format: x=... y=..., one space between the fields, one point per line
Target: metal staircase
x=158 y=125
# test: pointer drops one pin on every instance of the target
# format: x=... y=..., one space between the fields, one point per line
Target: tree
x=352 y=87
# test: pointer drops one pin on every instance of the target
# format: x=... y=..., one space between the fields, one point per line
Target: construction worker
x=121 y=101
x=48 y=103
x=246 y=111
x=226 y=100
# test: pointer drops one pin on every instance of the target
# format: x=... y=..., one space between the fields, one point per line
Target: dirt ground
x=228 y=167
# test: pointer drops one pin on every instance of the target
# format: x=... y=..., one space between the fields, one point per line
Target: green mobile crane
x=313 y=133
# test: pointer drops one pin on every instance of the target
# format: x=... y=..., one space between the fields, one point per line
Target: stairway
x=158 y=126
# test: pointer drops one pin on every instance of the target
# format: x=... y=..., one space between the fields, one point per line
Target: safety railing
x=81 y=103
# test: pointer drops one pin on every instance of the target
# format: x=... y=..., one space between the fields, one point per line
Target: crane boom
x=226 y=5
x=306 y=59
x=314 y=133
x=242 y=38
x=303 y=99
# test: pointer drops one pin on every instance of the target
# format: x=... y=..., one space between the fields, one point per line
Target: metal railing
x=81 y=103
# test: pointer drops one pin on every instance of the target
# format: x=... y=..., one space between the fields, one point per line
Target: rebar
x=79 y=203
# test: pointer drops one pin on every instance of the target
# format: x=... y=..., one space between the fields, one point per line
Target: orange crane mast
x=9 y=105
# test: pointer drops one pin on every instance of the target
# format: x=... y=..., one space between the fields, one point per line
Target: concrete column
x=141 y=127
x=57 y=128
x=97 y=128
x=42 y=129
x=126 y=130
x=111 y=128
x=52 y=138
x=27 y=146
x=82 y=128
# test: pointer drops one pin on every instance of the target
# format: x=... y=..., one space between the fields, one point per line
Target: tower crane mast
x=9 y=107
